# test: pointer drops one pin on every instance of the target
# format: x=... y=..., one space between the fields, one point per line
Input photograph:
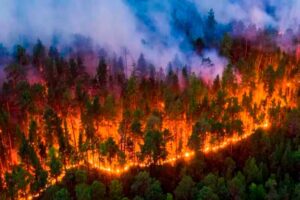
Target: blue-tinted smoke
x=160 y=29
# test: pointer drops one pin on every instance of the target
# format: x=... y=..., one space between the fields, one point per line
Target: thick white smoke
x=141 y=26
x=111 y=24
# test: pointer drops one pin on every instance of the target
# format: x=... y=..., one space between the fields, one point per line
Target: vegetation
x=152 y=134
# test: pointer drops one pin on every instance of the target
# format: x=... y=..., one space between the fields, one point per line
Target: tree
x=80 y=176
x=271 y=185
x=25 y=99
x=20 y=55
x=131 y=93
x=154 y=122
x=27 y=152
x=136 y=128
x=229 y=81
x=51 y=191
x=15 y=73
x=195 y=91
x=54 y=163
x=3 y=51
x=1 y=184
x=115 y=190
x=252 y=171
x=154 y=146
x=198 y=45
x=83 y=191
x=76 y=67
x=147 y=187
x=199 y=130
x=124 y=130
x=53 y=127
x=256 y=191
x=211 y=180
x=216 y=84
x=237 y=186
x=292 y=122
x=222 y=189
x=296 y=194
x=229 y=167
x=210 y=28
x=40 y=180
x=109 y=148
x=32 y=132
x=269 y=78
x=3 y=193
x=88 y=117
x=141 y=183
x=185 y=189
x=98 y=190
x=17 y=181
x=101 y=76
x=206 y=193
x=62 y=194
x=109 y=108
x=169 y=196
x=226 y=45
x=233 y=107
x=154 y=191
x=53 y=52
x=23 y=148
x=141 y=66
x=39 y=54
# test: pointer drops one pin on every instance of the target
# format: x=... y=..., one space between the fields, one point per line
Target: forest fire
x=210 y=108
x=101 y=132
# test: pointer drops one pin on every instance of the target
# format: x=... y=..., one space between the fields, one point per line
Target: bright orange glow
x=260 y=115
x=266 y=125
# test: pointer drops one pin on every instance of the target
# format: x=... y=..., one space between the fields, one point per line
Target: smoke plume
x=161 y=30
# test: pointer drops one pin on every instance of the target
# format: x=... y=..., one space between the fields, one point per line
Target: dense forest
x=132 y=130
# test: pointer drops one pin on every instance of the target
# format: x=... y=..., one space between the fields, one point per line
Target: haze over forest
x=149 y=100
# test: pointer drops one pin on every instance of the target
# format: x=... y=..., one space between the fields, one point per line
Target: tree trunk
x=10 y=147
x=73 y=133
